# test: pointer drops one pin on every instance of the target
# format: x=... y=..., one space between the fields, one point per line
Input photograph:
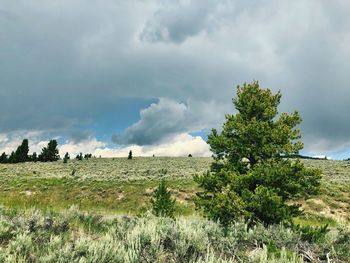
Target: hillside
x=124 y=186
x=76 y=212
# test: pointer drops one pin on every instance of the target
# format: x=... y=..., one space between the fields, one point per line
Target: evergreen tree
x=66 y=157
x=79 y=157
x=34 y=157
x=162 y=203
x=250 y=177
x=130 y=155
x=87 y=156
x=3 y=158
x=21 y=154
x=50 y=153
x=12 y=158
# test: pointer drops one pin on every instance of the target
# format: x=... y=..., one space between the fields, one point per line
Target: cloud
x=167 y=118
x=10 y=141
x=180 y=145
x=61 y=73
x=177 y=20
x=89 y=145
x=7 y=15
x=79 y=136
x=157 y=122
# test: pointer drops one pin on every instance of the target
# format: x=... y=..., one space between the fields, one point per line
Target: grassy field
x=75 y=212
x=105 y=185
x=333 y=202
x=124 y=186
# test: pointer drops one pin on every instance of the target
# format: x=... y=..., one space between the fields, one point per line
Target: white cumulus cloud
x=180 y=145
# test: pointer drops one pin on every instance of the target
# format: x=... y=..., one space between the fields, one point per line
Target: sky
x=156 y=76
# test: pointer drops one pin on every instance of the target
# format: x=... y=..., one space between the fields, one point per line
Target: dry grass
x=334 y=200
x=124 y=186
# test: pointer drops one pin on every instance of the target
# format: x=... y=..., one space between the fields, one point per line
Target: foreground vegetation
x=74 y=236
x=104 y=190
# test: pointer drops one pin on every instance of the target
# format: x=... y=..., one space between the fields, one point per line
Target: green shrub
x=342 y=244
x=312 y=234
x=162 y=202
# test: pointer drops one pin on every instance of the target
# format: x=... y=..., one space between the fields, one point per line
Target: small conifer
x=162 y=202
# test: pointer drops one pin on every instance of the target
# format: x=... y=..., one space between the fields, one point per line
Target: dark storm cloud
x=175 y=22
x=62 y=60
x=80 y=136
x=7 y=15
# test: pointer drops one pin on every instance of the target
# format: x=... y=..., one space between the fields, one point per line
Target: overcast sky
x=156 y=76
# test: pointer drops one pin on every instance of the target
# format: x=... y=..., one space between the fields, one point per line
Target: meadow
x=106 y=185
x=124 y=186
x=96 y=211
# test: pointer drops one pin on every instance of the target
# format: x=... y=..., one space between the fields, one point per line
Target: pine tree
x=66 y=157
x=21 y=154
x=162 y=203
x=34 y=157
x=130 y=155
x=3 y=158
x=250 y=177
x=50 y=153
x=12 y=158
x=87 y=156
x=79 y=157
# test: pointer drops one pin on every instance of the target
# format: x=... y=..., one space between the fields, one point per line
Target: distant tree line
x=299 y=156
x=48 y=154
x=80 y=157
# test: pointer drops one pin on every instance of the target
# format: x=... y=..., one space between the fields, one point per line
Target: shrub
x=311 y=234
x=162 y=203
x=76 y=236
x=342 y=244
